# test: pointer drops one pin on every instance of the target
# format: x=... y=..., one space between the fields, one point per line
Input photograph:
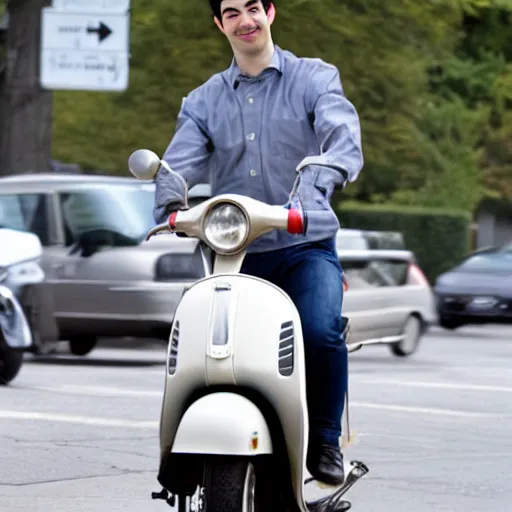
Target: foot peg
x=333 y=502
x=164 y=495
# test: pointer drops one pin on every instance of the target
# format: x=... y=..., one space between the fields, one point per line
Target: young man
x=252 y=130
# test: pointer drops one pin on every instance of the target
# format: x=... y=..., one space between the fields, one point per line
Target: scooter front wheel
x=230 y=485
x=246 y=484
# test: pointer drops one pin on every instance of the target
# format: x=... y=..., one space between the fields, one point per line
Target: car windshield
x=492 y=262
x=123 y=209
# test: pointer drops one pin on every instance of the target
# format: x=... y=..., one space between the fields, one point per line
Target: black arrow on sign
x=103 y=31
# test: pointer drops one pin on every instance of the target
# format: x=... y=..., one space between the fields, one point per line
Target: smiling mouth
x=250 y=33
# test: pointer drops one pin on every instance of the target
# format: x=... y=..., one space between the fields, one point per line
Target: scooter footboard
x=223 y=423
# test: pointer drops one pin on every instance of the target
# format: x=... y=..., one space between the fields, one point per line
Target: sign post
x=85 y=48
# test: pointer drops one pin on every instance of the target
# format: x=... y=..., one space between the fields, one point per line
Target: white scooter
x=19 y=268
x=234 y=423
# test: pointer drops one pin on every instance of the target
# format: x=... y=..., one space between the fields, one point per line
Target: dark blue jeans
x=312 y=276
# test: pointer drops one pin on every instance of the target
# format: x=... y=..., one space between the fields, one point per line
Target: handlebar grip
x=296 y=222
x=172 y=221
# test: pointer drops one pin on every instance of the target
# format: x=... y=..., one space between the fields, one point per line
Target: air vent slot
x=286 y=349
x=173 y=353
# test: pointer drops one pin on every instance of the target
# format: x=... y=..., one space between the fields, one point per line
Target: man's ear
x=218 y=23
x=271 y=14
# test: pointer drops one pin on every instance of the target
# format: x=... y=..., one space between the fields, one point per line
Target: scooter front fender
x=223 y=424
x=13 y=323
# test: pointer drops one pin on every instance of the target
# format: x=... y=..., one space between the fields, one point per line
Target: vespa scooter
x=234 y=424
x=19 y=267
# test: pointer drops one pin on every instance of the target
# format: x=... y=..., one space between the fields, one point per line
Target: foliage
x=431 y=82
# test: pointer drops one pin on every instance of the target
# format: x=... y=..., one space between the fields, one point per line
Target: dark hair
x=215 y=6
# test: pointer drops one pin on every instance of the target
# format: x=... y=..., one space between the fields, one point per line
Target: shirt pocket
x=287 y=138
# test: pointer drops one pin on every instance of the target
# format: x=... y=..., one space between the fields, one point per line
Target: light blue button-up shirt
x=248 y=135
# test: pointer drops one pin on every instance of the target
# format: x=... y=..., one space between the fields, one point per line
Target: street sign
x=84 y=51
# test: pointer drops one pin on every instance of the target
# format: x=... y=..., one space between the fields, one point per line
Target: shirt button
x=251 y=136
x=251 y=100
x=252 y=172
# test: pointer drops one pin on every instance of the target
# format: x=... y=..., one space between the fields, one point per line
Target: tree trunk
x=25 y=108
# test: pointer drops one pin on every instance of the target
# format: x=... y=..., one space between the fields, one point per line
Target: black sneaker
x=325 y=463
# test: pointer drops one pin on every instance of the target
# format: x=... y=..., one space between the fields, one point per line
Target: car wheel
x=83 y=345
x=447 y=322
x=10 y=364
x=412 y=335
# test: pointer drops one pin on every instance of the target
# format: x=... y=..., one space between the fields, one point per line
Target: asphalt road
x=80 y=434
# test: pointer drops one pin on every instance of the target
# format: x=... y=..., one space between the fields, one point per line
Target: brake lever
x=157 y=229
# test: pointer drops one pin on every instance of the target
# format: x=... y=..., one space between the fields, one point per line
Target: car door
x=88 y=263
x=102 y=226
x=361 y=302
x=78 y=286
x=374 y=301
x=390 y=271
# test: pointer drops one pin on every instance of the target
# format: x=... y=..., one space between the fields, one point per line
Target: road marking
x=426 y=410
x=436 y=385
x=132 y=424
x=99 y=391
x=83 y=420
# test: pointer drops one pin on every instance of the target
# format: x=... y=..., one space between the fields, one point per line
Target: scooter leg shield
x=223 y=423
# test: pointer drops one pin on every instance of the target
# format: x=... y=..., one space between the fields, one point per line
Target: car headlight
x=226 y=228
x=26 y=271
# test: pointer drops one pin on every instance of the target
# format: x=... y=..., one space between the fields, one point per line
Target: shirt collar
x=234 y=73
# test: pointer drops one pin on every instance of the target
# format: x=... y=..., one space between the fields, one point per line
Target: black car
x=477 y=291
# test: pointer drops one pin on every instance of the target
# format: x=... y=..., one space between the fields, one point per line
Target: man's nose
x=245 y=20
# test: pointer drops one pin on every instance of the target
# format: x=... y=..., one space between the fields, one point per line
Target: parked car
x=388 y=299
x=476 y=291
x=101 y=279
x=106 y=281
x=360 y=239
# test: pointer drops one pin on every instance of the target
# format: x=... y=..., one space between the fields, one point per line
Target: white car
x=387 y=299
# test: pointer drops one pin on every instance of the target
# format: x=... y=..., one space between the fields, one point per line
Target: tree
x=25 y=108
x=428 y=101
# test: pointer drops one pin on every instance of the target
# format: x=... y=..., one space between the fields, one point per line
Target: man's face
x=246 y=24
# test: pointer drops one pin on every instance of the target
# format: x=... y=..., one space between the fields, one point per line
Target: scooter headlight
x=226 y=228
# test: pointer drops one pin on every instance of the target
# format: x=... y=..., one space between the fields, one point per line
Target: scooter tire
x=233 y=482
x=230 y=485
x=10 y=365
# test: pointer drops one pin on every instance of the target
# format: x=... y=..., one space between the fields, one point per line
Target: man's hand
x=311 y=195
x=170 y=195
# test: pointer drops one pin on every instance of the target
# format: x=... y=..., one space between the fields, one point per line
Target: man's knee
x=325 y=331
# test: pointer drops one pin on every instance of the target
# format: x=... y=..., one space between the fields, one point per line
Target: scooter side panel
x=186 y=359
x=269 y=357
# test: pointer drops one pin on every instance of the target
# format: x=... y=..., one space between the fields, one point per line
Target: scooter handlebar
x=295 y=223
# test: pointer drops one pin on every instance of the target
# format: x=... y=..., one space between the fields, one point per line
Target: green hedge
x=439 y=238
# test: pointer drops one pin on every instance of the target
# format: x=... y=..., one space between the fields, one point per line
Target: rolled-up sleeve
x=187 y=154
x=336 y=125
